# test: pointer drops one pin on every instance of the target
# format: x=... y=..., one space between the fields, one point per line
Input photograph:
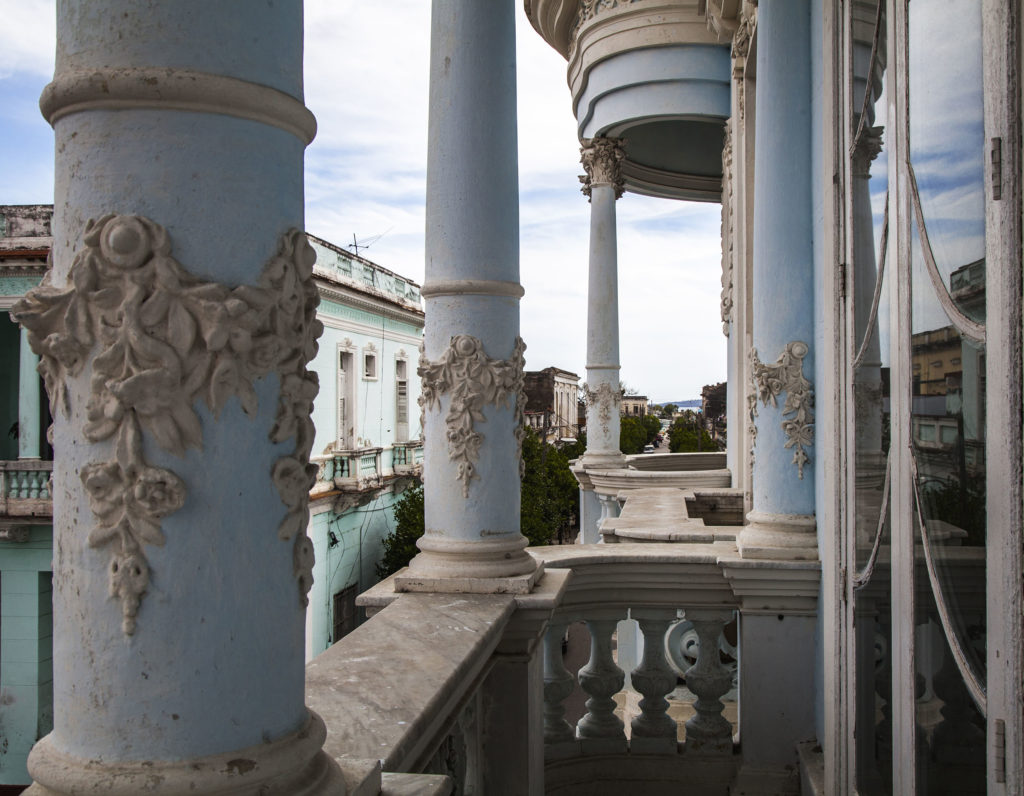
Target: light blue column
x=188 y=114
x=781 y=523
x=28 y=401
x=471 y=362
x=601 y=157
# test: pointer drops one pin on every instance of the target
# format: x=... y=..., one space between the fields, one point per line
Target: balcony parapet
x=407 y=458
x=407 y=693
x=404 y=692
x=26 y=488
x=662 y=515
x=689 y=471
x=661 y=586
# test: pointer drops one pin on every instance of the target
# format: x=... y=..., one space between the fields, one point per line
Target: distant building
x=552 y=397
x=635 y=405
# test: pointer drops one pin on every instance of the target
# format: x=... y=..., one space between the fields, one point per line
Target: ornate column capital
x=602 y=158
x=866 y=149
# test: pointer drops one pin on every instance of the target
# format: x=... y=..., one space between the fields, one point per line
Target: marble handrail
x=411 y=690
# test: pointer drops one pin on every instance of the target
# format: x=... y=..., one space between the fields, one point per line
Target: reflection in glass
x=870 y=350
x=948 y=389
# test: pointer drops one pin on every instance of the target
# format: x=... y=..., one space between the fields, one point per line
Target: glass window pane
x=948 y=302
x=870 y=355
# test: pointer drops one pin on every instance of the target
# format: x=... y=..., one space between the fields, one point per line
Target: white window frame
x=401 y=379
x=346 y=409
x=1004 y=374
x=370 y=355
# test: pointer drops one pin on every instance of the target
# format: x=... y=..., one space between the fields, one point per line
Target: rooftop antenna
x=356 y=245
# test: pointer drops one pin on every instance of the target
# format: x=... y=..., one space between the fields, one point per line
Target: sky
x=366 y=176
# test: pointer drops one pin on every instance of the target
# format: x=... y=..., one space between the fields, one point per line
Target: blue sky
x=366 y=176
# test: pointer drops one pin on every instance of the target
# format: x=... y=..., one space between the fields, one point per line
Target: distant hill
x=693 y=404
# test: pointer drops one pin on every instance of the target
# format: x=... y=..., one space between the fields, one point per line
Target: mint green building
x=367 y=447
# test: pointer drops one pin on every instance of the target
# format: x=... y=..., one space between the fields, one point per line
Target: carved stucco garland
x=727 y=231
x=786 y=376
x=167 y=340
x=474 y=380
x=606 y=400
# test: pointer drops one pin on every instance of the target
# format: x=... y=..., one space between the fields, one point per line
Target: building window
x=346 y=401
x=401 y=402
x=370 y=367
x=344 y=613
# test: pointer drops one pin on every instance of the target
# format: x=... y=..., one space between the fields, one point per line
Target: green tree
x=548 y=505
x=632 y=435
x=550 y=494
x=683 y=435
x=653 y=426
x=400 y=546
x=668 y=410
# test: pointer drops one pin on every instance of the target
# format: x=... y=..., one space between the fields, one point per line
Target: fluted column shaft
x=781 y=524
x=174 y=337
x=472 y=359
x=601 y=157
x=28 y=401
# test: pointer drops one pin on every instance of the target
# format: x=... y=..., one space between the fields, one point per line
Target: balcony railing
x=362 y=469
x=407 y=458
x=421 y=688
x=25 y=488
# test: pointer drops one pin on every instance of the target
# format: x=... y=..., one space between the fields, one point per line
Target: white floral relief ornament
x=607 y=401
x=167 y=340
x=786 y=376
x=474 y=380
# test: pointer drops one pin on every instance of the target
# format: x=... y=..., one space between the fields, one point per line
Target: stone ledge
x=415 y=785
x=406 y=581
x=389 y=689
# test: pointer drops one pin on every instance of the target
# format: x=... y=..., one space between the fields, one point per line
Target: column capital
x=867 y=147
x=602 y=158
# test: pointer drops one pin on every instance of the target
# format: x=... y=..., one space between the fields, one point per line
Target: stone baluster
x=558 y=685
x=33 y=484
x=708 y=731
x=653 y=730
x=45 y=491
x=601 y=679
x=24 y=485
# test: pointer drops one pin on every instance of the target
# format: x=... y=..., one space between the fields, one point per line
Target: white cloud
x=27 y=38
x=366 y=176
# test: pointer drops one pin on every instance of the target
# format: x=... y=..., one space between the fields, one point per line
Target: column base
x=294 y=765
x=498 y=566
x=603 y=460
x=779 y=536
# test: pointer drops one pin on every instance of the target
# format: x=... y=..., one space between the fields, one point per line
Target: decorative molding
x=474 y=380
x=588 y=10
x=164 y=88
x=472 y=287
x=168 y=339
x=727 y=230
x=786 y=376
x=606 y=400
x=741 y=37
x=602 y=158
